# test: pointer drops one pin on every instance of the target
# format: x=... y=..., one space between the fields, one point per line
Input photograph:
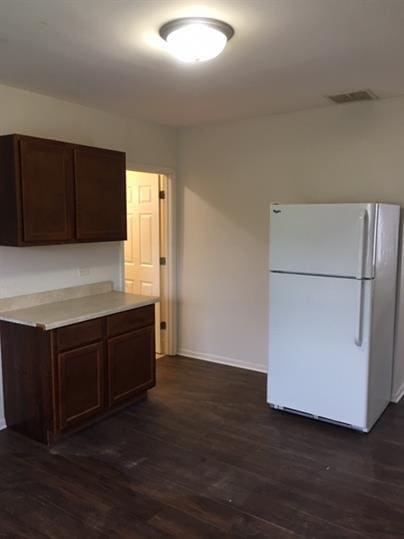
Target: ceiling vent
x=352 y=97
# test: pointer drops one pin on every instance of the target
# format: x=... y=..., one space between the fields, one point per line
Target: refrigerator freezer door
x=319 y=346
x=323 y=239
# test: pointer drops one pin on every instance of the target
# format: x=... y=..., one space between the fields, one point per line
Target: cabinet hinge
x=162 y=195
x=163 y=325
x=163 y=261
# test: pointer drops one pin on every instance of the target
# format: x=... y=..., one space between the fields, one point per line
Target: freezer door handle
x=363 y=231
x=359 y=314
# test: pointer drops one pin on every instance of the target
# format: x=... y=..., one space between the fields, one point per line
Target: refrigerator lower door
x=319 y=346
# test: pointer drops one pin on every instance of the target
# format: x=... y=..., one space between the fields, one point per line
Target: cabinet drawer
x=79 y=334
x=130 y=320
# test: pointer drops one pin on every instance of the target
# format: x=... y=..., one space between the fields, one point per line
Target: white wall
x=398 y=377
x=229 y=174
x=33 y=269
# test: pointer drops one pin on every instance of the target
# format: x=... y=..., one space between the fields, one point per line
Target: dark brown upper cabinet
x=55 y=192
x=46 y=191
x=100 y=194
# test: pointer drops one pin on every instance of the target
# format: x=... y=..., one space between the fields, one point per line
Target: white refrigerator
x=331 y=310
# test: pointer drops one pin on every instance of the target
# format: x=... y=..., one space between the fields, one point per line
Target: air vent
x=351 y=97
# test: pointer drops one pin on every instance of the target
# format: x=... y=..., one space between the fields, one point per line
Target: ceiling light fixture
x=196 y=39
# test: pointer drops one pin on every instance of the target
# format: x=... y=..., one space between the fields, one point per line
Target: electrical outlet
x=84 y=271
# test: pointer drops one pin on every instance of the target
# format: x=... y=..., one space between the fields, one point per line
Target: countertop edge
x=79 y=319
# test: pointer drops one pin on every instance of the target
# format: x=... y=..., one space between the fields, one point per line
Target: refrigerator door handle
x=363 y=231
x=359 y=315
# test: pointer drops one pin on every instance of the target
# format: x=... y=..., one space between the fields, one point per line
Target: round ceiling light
x=196 y=39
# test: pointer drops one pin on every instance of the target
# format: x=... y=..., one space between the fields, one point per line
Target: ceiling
x=285 y=55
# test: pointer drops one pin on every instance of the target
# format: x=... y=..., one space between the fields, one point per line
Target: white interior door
x=142 y=248
x=323 y=239
x=319 y=346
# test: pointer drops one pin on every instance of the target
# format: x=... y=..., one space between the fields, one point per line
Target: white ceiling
x=285 y=55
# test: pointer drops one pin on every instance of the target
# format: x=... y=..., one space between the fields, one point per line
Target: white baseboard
x=3 y=424
x=398 y=395
x=221 y=359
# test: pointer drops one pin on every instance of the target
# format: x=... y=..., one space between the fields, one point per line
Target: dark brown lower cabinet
x=129 y=373
x=58 y=381
x=80 y=381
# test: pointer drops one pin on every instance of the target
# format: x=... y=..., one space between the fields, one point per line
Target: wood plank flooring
x=204 y=457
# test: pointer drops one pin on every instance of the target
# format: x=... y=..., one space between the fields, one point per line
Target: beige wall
x=229 y=174
x=25 y=270
x=38 y=115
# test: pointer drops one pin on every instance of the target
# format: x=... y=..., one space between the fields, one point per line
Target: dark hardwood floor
x=205 y=457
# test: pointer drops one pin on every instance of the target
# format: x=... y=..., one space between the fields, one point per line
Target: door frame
x=171 y=266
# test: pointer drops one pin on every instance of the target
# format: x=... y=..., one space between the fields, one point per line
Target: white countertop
x=63 y=313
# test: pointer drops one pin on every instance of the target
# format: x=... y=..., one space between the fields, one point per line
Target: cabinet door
x=100 y=194
x=47 y=191
x=80 y=384
x=131 y=364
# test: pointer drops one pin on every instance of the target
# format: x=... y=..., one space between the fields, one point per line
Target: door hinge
x=163 y=261
x=163 y=325
x=162 y=195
